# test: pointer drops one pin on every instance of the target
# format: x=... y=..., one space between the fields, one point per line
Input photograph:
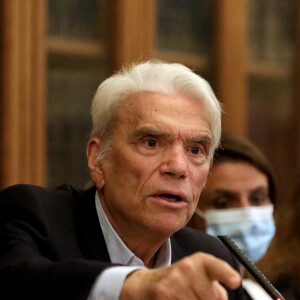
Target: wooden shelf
x=63 y=46
x=193 y=61
x=200 y=62
x=269 y=70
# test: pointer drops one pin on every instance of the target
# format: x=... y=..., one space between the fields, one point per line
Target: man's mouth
x=170 y=198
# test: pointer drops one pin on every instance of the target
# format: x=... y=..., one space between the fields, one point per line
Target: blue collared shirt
x=109 y=283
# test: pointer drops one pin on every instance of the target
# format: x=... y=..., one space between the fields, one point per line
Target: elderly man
x=155 y=128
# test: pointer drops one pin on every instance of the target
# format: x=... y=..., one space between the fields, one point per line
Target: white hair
x=151 y=76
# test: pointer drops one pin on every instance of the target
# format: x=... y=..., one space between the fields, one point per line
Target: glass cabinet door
x=77 y=63
x=184 y=32
x=272 y=110
x=271 y=100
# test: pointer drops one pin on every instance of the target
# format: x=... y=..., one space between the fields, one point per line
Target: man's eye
x=195 y=150
x=151 y=143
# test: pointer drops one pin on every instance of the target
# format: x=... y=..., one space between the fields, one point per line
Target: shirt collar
x=118 y=252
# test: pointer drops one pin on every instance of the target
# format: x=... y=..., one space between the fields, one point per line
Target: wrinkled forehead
x=174 y=110
x=138 y=104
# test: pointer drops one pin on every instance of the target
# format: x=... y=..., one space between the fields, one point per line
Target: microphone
x=250 y=267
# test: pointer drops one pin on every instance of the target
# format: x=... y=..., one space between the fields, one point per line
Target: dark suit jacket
x=52 y=246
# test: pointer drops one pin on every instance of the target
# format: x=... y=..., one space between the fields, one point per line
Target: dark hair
x=236 y=148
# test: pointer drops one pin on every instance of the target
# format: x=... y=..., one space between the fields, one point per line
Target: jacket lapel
x=90 y=236
x=177 y=251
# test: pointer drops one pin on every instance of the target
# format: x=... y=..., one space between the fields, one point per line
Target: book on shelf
x=83 y=20
x=272 y=30
x=184 y=25
x=69 y=98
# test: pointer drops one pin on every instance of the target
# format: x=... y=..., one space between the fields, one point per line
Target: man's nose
x=175 y=162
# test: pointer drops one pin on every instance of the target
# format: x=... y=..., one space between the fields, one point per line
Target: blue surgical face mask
x=251 y=228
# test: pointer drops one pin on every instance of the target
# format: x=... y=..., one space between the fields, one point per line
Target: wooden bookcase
x=30 y=58
x=132 y=34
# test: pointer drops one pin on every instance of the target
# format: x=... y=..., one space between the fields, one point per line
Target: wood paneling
x=230 y=62
x=133 y=31
x=23 y=92
x=296 y=95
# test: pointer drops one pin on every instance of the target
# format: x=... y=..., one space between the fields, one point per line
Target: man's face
x=157 y=165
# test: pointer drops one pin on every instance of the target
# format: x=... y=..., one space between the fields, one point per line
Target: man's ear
x=96 y=172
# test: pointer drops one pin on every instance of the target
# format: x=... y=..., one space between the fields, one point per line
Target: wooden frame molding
x=75 y=48
x=23 y=76
x=297 y=93
x=134 y=31
x=230 y=62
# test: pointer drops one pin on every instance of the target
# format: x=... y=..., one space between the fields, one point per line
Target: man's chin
x=167 y=227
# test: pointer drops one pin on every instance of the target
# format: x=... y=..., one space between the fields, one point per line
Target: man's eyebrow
x=148 y=131
x=200 y=139
x=156 y=132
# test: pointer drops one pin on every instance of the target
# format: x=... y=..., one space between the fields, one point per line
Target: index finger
x=220 y=270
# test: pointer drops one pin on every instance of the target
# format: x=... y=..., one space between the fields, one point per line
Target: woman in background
x=238 y=201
